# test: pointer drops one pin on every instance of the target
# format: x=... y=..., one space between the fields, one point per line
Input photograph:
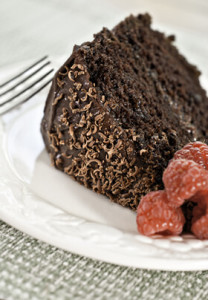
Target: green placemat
x=30 y=269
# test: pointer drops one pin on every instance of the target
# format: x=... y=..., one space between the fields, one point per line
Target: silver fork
x=23 y=86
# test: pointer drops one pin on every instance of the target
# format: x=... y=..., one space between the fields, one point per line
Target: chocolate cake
x=120 y=107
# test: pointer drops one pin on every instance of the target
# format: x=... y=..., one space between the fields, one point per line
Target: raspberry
x=199 y=210
x=196 y=151
x=182 y=179
x=200 y=216
x=154 y=215
x=200 y=227
x=185 y=178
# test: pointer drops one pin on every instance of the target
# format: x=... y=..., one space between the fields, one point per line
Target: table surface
x=30 y=269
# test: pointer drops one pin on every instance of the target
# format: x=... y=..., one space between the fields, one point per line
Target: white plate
x=48 y=205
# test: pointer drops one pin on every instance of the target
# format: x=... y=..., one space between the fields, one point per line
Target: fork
x=23 y=86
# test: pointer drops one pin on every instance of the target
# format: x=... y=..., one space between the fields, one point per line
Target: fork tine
x=24 y=71
x=25 y=79
x=27 y=88
x=6 y=109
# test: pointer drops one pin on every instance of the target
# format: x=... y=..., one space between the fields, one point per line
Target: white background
x=30 y=29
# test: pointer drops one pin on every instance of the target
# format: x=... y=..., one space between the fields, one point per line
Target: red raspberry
x=200 y=227
x=182 y=179
x=199 y=210
x=200 y=216
x=154 y=215
x=196 y=151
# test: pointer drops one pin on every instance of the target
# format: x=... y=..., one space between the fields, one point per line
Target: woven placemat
x=30 y=270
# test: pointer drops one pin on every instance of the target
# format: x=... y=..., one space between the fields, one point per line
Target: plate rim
x=80 y=248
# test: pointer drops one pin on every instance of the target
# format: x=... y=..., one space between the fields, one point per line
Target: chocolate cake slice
x=120 y=107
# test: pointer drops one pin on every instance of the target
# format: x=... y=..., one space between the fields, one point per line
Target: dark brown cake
x=120 y=107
